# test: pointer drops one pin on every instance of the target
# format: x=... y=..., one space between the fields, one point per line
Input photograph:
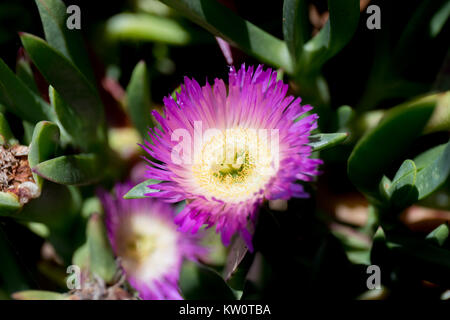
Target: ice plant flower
x=245 y=144
x=151 y=249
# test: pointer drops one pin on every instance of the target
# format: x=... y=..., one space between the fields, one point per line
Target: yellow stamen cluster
x=234 y=164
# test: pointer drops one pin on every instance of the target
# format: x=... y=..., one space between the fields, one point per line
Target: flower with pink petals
x=246 y=142
x=151 y=249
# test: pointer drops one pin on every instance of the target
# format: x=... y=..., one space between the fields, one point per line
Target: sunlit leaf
x=324 y=141
x=139 y=191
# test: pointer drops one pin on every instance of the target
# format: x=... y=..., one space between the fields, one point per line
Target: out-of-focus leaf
x=28 y=129
x=6 y=135
x=19 y=99
x=101 y=258
x=8 y=203
x=439 y=235
x=435 y=169
x=146 y=27
x=43 y=145
x=80 y=169
x=38 y=295
x=69 y=42
x=324 y=141
x=440 y=119
x=387 y=142
x=344 y=115
x=439 y=19
x=81 y=256
x=139 y=191
x=337 y=32
x=138 y=99
x=222 y=22
x=73 y=87
x=295 y=26
x=201 y=283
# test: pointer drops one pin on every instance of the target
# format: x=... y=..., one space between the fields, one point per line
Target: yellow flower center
x=234 y=164
x=147 y=245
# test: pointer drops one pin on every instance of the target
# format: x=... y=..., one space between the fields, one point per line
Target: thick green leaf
x=138 y=99
x=146 y=27
x=43 y=145
x=201 y=283
x=435 y=169
x=439 y=235
x=337 y=32
x=324 y=141
x=68 y=42
x=431 y=262
x=386 y=143
x=402 y=190
x=56 y=207
x=24 y=73
x=8 y=203
x=139 y=191
x=101 y=257
x=38 y=295
x=73 y=87
x=6 y=135
x=75 y=128
x=296 y=26
x=222 y=22
x=21 y=100
x=80 y=169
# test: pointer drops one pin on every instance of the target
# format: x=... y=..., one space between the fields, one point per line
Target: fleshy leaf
x=73 y=87
x=295 y=26
x=6 y=136
x=138 y=99
x=146 y=27
x=402 y=191
x=43 y=145
x=8 y=203
x=101 y=258
x=24 y=73
x=69 y=42
x=224 y=23
x=435 y=169
x=439 y=235
x=80 y=169
x=386 y=143
x=74 y=126
x=19 y=99
x=323 y=141
x=139 y=191
x=238 y=263
x=337 y=32
x=201 y=283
